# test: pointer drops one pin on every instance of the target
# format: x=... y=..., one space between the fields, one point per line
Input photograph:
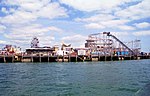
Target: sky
x=71 y=21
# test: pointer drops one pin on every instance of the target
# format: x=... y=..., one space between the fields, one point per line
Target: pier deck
x=30 y=58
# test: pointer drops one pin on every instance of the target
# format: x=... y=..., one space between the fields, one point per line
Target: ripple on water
x=145 y=91
x=127 y=89
x=120 y=78
x=7 y=84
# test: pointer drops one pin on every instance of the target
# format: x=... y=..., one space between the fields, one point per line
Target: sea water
x=111 y=78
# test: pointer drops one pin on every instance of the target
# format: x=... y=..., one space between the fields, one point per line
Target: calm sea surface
x=115 y=78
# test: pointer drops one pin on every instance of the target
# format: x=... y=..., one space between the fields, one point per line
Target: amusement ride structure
x=107 y=44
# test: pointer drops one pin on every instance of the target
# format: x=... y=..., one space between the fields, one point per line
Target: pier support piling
x=4 y=59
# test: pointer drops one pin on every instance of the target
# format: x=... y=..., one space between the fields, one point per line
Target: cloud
x=75 y=40
x=46 y=40
x=142 y=25
x=23 y=34
x=96 y=18
x=94 y=5
x=123 y=36
x=111 y=24
x=3 y=42
x=52 y=10
x=125 y=27
x=52 y=28
x=114 y=23
x=32 y=5
x=30 y=29
x=30 y=10
x=28 y=5
x=119 y=19
x=39 y=8
x=142 y=33
x=18 y=17
x=7 y=11
x=105 y=21
x=4 y=10
x=23 y=21
x=135 y=12
x=118 y=34
x=94 y=26
x=2 y=28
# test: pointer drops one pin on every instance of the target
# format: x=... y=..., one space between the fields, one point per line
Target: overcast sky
x=71 y=21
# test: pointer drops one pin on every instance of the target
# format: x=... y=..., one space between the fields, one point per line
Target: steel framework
x=108 y=44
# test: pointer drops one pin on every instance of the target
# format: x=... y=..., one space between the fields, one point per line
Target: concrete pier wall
x=11 y=59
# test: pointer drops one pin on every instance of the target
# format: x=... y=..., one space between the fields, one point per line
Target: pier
x=30 y=58
x=98 y=47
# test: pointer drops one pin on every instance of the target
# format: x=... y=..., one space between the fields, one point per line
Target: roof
x=40 y=49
